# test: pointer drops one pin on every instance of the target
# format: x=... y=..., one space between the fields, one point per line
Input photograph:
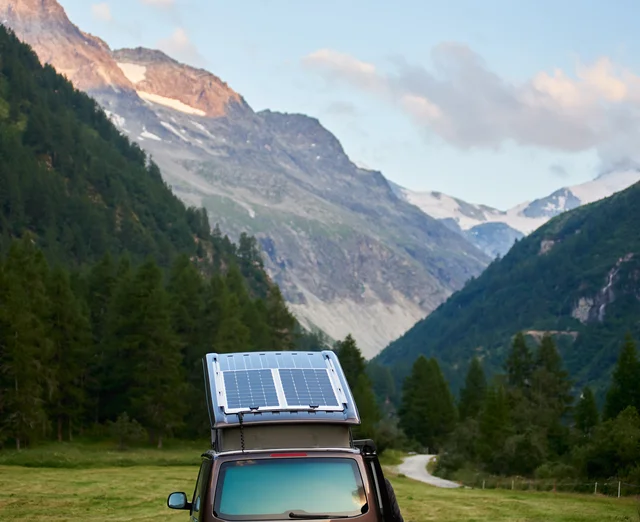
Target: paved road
x=415 y=467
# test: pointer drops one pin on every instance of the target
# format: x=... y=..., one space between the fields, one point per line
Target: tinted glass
x=201 y=488
x=272 y=488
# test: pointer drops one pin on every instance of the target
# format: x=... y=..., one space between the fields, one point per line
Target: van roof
x=277 y=387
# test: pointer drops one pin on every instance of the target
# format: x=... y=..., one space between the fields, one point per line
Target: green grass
x=100 y=455
x=89 y=482
x=391 y=457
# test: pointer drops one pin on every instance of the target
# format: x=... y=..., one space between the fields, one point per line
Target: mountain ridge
x=349 y=255
x=495 y=231
x=577 y=277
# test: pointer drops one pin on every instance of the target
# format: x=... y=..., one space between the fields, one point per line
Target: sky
x=494 y=102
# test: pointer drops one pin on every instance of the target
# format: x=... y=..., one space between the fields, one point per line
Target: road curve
x=415 y=467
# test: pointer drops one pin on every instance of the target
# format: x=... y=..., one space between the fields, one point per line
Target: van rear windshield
x=274 y=488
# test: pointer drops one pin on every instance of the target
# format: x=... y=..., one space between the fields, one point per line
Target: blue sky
x=495 y=102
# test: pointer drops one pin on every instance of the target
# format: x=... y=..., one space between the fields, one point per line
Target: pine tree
x=351 y=360
x=186 y=293
x=367 y=408
x=586 y=413
x=443 y=406
x=519 y=364
x=70 y=333
x=550 y=395
x=232 y=335
x=254 y=316
x=280 y=320
x=25 y=348
x=625 y=384
x=427 y=413
x=157 y=387
x=214 y=303
x=473 y=394
x=494 y=427
x=354 y=367
x=114 y=357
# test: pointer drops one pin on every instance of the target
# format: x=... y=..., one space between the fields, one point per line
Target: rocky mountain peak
x=34 y=9
x=84 y=59
x=161 y=79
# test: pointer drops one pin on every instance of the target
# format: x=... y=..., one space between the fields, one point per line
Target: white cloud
x=465 y=103
x=180 y=46
x=102 y=12
x=159 y=3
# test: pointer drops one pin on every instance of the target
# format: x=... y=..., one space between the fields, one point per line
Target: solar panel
x=250 y=389
x=307 y=387
x=277 y=381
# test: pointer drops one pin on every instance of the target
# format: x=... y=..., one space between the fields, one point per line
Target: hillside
x=578 y=276
x=349 y=255
x=495 y=231
x=111 y=289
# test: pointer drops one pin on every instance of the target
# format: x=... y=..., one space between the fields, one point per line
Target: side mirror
x=178 y=501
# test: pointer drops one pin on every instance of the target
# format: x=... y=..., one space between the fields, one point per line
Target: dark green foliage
x=126 y=431
x=25 y=348
x=473 y=393
x=538 y=286
x=71 y=358
x=353 y=365
x=427 y=414
x=519 y=363
x=527 y=426
x=494 y=428
x=111 y=291
x=70 y=335
x=586 y=414
x=351 y=359
x=625 y=383
x=614 y=449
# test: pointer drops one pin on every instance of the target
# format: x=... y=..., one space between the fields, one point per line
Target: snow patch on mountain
x=170 y=102
x=134 y=73
x=117 y=120
x=605 y=185
x=146 y=134
x=527 y=216
x=171 y=128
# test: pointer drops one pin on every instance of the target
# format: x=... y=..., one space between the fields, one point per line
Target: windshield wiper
x=312 y=516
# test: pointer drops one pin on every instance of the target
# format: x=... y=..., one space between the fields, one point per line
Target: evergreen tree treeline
x=526 y=421
x=82 y=349
x=111 y=290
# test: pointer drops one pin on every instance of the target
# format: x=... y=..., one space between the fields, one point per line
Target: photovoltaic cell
x=307 y=387
x=250 y=388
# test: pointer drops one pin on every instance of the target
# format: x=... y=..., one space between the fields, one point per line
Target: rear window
x=273 y=488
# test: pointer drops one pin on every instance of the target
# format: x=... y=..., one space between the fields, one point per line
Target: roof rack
x=252 y=388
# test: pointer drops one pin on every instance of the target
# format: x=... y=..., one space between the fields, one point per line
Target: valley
x=351 y=251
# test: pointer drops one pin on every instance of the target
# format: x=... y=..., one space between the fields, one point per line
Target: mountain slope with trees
x=348 y=254
x=525 y=423
x=577 y=278
x=111 y=290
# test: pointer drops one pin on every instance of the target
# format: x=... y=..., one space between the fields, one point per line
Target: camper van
x=282 y=446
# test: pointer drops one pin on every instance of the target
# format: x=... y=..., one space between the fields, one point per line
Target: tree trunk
x=59 y=428
x=18 y=443
x=160 y=441
x=70 y=432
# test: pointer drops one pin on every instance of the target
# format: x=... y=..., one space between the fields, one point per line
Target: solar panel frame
x=251 y=362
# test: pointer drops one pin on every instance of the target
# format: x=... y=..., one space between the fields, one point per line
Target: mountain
x=578 y=277
x=82 y=190
x=495 y=231
x=111 y=290
x=348 y=254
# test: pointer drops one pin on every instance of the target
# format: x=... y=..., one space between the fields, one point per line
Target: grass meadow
x=93 y=482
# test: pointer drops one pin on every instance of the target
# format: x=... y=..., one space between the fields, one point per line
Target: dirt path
x=415 y=467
